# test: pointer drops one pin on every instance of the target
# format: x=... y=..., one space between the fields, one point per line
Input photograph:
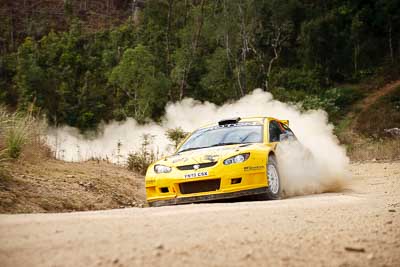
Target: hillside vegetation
x=370 y=130
x=83 y=62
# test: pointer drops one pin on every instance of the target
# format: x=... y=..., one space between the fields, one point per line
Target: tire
x=274 y=189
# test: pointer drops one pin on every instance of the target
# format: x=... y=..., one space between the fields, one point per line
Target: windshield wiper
x=226 y=144
x=219 y=144
x=192 y=148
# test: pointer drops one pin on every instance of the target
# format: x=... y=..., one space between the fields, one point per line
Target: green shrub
x=15 y=141
x=343 y=96
x=334 y=101
x=306 y=100
x=16 y=132
x=176 y=135
x=288 y=96
x=394 y=99
x=318 y=102
x=297 y=79
x=139 y=161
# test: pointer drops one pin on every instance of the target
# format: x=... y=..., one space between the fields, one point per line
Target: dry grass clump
x=371 y=134
x=21 y=137
x=139 y=161
x=376 y=150
x=176 y=135
x=362 y=148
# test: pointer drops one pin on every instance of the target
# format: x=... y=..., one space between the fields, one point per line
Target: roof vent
x=229 y=121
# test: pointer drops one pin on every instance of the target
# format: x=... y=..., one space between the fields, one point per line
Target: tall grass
x=382 y=149
x=176 y=135
x=20 y=134
x=140 y=160
x=17 y=136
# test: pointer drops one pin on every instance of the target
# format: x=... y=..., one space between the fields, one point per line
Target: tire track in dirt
x=357 y=227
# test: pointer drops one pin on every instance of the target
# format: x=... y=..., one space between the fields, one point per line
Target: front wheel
x=274 y=181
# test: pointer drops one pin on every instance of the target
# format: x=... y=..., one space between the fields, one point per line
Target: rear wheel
x=274 y=182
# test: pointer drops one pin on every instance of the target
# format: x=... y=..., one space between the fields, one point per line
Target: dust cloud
x=318 y=165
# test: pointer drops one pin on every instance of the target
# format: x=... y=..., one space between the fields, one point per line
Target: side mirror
x=286 y=137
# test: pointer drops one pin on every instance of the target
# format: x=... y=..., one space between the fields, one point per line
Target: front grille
x=201 y=165
x=200 y=186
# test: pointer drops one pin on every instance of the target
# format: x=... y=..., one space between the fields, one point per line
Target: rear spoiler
x=229 y=121
x=285 y=122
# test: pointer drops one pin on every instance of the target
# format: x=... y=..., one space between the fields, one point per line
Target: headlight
x=237 y=159
x=162 y=169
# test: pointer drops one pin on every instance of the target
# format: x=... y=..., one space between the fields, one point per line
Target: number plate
x=196 y=175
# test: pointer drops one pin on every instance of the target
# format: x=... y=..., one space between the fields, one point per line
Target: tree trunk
x=195 y=41
x=167 y=35
x=356 y=56
x=391 y=42
x=242 y=66
x=167 y=39
x=12 y=41
x=276 y=46
x=228 y=52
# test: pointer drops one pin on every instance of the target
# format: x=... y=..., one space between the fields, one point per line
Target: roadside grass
x=364 y=129
x=361 y=147
x=21 y=138
x=3 y=162
x=17 y=135
x=139 y=161
x=384 y=149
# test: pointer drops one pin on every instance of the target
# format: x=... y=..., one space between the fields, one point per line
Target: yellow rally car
x=229 y=159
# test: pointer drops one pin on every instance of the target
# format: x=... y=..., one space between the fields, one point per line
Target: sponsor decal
x=150 y=181
x=211 y=157
x=179 y=159
x=196 y=175
x=253 y=168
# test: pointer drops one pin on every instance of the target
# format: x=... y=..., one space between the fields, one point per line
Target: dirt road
x=57 y=186
x=358 y=227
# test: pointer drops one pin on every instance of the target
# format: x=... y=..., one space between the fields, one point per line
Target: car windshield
x=223 y=135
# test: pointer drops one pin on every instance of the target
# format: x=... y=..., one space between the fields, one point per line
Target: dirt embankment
x=357 y=227
x=56 y=186
x=365 y=127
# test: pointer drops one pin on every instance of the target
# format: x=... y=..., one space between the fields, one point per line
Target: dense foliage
x=209 y=50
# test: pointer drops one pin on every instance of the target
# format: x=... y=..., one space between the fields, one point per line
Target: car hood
x=204 y=155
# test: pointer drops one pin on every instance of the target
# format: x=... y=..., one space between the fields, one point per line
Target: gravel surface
x=58 y=186
x=357 y=227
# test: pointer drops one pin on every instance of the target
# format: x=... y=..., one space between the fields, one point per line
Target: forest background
x=80 y=63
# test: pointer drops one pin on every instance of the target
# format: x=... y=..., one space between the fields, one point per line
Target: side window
x=288 y=132
x=274 y=131
x=286 y=128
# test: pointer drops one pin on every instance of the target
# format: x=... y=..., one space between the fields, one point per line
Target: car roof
x=260 y=119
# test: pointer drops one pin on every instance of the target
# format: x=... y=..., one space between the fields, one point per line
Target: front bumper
x=210 y=183
x=209 y=197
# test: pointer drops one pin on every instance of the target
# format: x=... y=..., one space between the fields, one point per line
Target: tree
x=185 y=56
x=135 y=76
x=278 y=31
x=218 y=81
x=326 y=47
x=389 y=16
x=176 y=135
x=31 y=78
